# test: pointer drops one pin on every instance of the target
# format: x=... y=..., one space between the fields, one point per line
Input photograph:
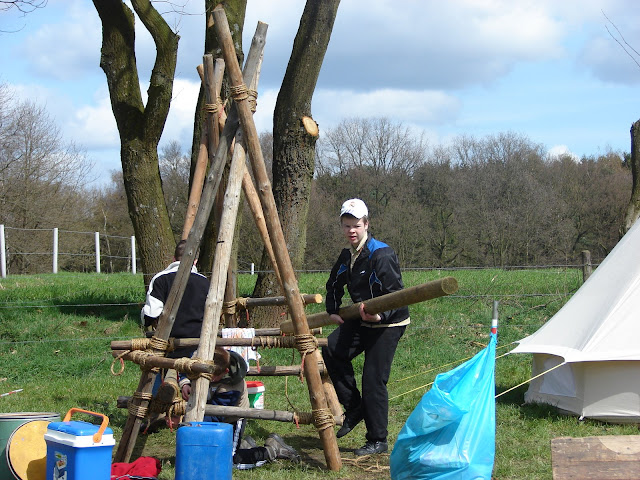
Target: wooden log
x=222 y=255
x=587 y=268
x=401 y=298
x=290 y=284
x=277 y=301
x=203 y=151
x=281 y=371
x=259 y=332
x=302 y=418
x=258 y=342
x=607 y=457
x=164 y=362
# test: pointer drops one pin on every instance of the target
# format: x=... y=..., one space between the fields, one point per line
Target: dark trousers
x=379 y=346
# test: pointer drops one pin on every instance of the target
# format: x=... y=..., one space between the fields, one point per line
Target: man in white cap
x=368 y=268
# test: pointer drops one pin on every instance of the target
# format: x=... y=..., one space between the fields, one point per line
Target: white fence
x=6 y=253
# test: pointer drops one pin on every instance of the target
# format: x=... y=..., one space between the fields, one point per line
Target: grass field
x=55 y=332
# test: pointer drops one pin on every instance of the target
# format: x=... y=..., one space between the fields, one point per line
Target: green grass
x=55 y=332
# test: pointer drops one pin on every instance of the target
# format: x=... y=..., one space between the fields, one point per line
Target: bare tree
x=24 y=6
x=41 y=177
x=174 y=170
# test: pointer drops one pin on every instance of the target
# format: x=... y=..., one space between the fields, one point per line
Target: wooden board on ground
x=596 y=458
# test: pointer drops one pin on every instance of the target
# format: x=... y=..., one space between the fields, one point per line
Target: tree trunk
x=293 y=145
x=140 y=127
x=633 y=209
x=235 y=11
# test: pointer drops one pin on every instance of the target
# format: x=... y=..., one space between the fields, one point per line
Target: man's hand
x=367 y=317
x=186 y=391
x=335 y=318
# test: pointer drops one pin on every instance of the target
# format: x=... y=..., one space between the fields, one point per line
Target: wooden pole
x=401 y=298
x=302 y=418
x=259 y=342
x=203 y=155
x=296 y=307
x=164 y=362
x=222 y=256
x=586 y=265
x=277 y=301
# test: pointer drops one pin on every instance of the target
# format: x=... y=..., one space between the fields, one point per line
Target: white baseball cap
x=354 y=207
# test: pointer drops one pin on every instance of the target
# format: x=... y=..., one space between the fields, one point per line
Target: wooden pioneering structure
x=246 y=139
x=149 y=353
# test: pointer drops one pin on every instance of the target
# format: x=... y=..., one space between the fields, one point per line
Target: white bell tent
x=595 y=337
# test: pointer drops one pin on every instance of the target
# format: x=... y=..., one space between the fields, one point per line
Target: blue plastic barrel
x=203 y=451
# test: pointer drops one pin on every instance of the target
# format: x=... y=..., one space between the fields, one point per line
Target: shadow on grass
x=528 y=411
x=514 y=397
x=95 y=305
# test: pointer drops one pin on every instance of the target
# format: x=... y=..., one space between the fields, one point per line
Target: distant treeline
x=496 y=201
x=499 y=200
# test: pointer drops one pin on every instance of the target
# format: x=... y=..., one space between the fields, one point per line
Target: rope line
x=531 y=379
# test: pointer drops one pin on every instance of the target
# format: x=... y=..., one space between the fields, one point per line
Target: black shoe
x=277 y=448
x=371 y=448
x=351 y=419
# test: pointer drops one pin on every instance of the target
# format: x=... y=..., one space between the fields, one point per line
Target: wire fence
x=33 y=251
x=43 y=250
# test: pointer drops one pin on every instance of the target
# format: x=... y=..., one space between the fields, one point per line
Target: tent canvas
x=595 y=337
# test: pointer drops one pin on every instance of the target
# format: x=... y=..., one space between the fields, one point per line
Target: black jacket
x=375 y=272
x=188 y=322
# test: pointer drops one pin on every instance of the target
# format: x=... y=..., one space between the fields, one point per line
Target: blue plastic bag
x=451 y=433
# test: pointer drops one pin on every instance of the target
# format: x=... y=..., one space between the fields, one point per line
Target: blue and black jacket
x=375 y=272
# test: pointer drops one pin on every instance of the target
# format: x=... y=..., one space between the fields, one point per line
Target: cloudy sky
x=554 y=71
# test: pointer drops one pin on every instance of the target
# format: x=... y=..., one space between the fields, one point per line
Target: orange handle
x=103 y=426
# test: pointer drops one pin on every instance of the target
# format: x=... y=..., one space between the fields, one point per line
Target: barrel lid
x=27 y=450
x=29 y=416
x=77 y=428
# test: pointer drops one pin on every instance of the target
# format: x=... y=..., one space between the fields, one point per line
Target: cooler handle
x=103 y=426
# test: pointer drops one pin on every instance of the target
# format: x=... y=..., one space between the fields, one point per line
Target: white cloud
x=93 y=125
x=67 y=49
x=418 y=107
x=561 y=151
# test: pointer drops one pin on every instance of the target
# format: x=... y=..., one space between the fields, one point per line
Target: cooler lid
x=77 y=428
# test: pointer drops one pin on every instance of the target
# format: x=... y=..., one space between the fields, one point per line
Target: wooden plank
x=607 y=457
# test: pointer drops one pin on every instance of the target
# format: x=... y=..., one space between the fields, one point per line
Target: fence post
x=55 y=250
x=133 y=254
x=586 y=265
x=97 y=236
x=3 y=258
x=253 y=268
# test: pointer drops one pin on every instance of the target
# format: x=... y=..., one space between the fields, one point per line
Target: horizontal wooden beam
x=257 y=342
x=401 y=298
x=303 y=418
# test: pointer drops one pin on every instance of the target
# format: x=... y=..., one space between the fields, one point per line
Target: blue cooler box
x=75 y=451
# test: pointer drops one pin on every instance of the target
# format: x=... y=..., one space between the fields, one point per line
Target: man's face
x=354 y=229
